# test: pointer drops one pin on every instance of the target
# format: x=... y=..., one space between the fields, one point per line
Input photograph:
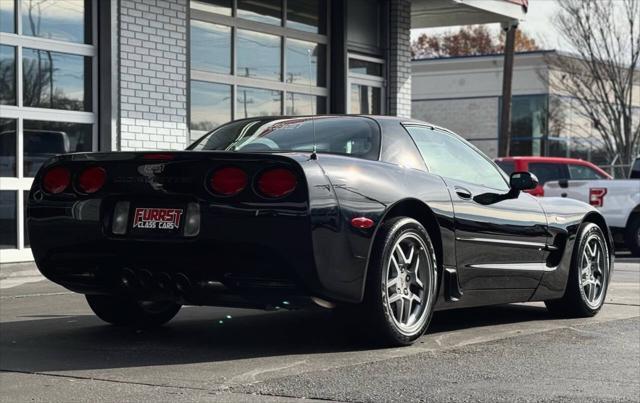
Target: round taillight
x=92 y=179
x=56 y=180
x=228 y=181
x=277 y=182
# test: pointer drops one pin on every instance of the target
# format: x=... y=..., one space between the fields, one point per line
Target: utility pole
x=504 y=141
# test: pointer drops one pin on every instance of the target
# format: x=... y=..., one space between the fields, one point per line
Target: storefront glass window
x=7 y=16
x=265 y=11
x=528 y=124
x=210 y=105
x=258 y=55
x=43 y=140
x=56 y=80
x=8 y=147
x=63 y=20
x=213 y=6
x=7 y=75
x=8 y=233
x=305 y=63
x=359 y=66
x=365 y=99
x=249 y=62
x=210 y=47
x=307 y=15
x=252 y=102
x=301 y=104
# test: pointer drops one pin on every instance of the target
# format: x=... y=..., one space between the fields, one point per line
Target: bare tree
x=600 y=76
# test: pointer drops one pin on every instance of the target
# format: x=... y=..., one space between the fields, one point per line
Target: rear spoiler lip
x=180 y=155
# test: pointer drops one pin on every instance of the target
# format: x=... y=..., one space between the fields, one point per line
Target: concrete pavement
x=53 y=349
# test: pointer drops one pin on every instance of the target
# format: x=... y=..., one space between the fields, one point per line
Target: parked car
x=387 y=219
x=552 y=169
x=617 y=200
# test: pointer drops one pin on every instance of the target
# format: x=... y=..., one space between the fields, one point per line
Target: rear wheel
x=129 y=312
x=632 y=235
x=402 y=282
x=588 y=277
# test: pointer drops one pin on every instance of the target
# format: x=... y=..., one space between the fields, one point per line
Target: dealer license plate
x=157 y=218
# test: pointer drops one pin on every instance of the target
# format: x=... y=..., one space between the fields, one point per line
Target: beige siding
x=472 y=118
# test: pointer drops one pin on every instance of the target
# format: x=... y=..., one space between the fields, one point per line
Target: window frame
x=20 y=113
x=367 y=80
x=454 y=136
x=284 y=32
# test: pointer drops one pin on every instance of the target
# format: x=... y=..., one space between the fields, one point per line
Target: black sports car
x=390 y=217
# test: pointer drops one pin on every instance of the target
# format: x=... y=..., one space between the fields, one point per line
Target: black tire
x=576 y=302
x=632 y=235
x=128 y=312
x=384 y=325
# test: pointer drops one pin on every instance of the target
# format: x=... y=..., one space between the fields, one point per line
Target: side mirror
x=563 y=183
x=523 y=181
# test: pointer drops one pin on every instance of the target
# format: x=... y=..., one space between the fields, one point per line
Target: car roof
x=557 y=160
x=337 y=116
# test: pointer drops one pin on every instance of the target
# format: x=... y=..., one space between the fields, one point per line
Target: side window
x=548 y=172
x=450 y=157
x=581 y=172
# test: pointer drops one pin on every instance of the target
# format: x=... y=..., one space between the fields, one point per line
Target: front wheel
x=588 y=276
x=402 y=282
x=129 y=312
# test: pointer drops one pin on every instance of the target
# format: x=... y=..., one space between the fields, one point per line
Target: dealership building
x=107 y=75
x=545 y=120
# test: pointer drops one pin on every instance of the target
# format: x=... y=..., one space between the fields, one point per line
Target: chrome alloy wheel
x=594 y=269
x=409 y=282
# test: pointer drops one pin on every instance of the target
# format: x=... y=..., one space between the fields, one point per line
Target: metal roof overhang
x=442 y=13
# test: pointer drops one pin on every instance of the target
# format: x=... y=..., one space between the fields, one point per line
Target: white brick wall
x=400 y=58
x=153 y=74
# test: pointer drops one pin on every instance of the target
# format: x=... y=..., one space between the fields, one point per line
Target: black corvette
x=392 y=218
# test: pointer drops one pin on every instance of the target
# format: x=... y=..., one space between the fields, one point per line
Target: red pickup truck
x=552 y=169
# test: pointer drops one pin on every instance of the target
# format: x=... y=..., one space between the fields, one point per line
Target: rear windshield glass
x=349 y=135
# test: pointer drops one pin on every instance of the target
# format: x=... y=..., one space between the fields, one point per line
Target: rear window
x=349 y=135
x=36 y=142
x=507 y=166
x=635 y=169
x=581 y=172
x=548 y=172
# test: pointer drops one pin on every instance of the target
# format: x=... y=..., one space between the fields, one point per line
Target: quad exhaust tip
x=323 y=303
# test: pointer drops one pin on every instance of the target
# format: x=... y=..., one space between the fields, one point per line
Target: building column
x=153 y=74
x=399 y=62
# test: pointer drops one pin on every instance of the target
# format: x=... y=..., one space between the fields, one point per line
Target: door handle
x=463 y=193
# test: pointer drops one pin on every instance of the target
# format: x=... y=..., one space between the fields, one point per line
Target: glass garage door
x=256 y=58
x=48 y=100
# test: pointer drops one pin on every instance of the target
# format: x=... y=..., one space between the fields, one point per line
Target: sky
x=537 y=24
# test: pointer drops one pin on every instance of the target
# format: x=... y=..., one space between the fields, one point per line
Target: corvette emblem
x=157 y=218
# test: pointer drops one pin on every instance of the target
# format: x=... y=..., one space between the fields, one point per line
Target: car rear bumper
x=262 y=256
